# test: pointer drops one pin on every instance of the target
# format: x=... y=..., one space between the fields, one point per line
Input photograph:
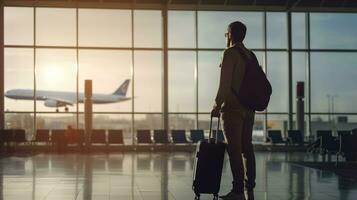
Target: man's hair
x=237 y=30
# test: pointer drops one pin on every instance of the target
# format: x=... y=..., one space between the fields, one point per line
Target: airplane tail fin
x=121 y=91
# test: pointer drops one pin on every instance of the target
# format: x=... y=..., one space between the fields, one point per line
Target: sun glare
x=53 y=75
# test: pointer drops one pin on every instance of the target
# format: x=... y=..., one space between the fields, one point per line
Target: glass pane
x=278 y=77
x=57 y=121
x=278 y=122
x=56 y=26
x=258 y=128
x=208 y=79
x=147 y=28
x=204 y=121
x=300 y=74
x=298 y=27
x=333 y=122
x=181 y=29
x=20 y=121
x=104 y=27
x=148 y=81
x=18 y=26
x=333 y=82
x=213 y=25
x=182 y=121
x=108 y=69
x=18 y=74
x=333 y=30
x=260 y=56
x=56 y=72
x=276 y=30
x=148 y=121
x=182 y=81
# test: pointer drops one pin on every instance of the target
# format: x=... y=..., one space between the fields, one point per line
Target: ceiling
x=279 y=5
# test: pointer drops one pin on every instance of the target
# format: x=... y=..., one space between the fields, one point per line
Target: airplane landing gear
x=66 y=109
x=57 y=110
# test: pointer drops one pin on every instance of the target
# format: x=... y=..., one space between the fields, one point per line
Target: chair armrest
x=267 y=139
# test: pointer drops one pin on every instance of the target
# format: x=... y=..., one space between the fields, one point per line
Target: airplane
x=56 y=99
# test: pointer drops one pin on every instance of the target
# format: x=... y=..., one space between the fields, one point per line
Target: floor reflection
x=165 y=176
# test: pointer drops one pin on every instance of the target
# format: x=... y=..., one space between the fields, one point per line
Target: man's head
x=236 y=32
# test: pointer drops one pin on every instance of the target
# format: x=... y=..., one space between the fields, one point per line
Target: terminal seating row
x=344 y=144
x=15 y=136
x=99 y=136
x=295 y=137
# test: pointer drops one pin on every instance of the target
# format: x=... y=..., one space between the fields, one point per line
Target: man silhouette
x=237 y=120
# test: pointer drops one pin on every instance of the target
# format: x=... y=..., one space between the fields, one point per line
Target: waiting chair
x=115 y=137
x=19 y=136
x=179 y=137
x=275 y=137
x=328 y=145
x=58 y=140
x=98 y=136
x=295 y=137
x=76 y=138
x=160 y=136
x=317 y=146
x=347 y=147
x=143 y=137
x=57 y=135
x=196 y=135
x=7 y=136
x=320 y=133
x=42 y=136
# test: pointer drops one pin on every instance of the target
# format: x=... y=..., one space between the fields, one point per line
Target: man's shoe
x=233 y=196
x=250 y=195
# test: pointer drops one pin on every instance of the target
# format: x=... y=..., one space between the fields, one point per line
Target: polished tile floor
x=158 y=176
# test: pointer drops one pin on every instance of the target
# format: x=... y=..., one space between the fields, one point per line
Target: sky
x=56 y=69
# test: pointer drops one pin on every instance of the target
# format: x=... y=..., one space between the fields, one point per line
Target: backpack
x=255 y=89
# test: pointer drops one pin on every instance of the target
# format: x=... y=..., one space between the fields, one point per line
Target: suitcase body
x=208 y=166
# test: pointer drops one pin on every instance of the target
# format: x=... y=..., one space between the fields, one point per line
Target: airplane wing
x=57 y=102
x=125 y=98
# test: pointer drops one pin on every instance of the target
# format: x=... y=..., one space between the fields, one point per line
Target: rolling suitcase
x=208 y=166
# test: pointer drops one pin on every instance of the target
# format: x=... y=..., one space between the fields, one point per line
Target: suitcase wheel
x=215 y=197
x=197 y=197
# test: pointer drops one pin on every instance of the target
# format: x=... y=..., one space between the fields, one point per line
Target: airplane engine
x=53 y=103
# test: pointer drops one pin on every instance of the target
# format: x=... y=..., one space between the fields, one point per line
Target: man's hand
x=216 y=112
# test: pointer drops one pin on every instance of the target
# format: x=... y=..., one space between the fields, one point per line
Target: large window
x=56 y=49
x=333 y=31
x=104 y=28
x=213 y=25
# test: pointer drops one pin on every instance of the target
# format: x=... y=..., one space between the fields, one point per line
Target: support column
x=2 y=115
x=165 y=93
x=290 y=71
x=88 y=113
x=308 y=67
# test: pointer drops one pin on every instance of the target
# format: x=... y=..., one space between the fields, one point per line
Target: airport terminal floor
x=159 y=176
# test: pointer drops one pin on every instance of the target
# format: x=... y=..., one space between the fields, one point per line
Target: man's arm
x=225 y=83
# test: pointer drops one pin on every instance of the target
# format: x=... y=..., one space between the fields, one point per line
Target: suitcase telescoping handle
x=210 y=138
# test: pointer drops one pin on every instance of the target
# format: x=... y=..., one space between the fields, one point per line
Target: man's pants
x=238 y=127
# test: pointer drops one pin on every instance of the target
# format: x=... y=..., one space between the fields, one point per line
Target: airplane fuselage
x=43 y=95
